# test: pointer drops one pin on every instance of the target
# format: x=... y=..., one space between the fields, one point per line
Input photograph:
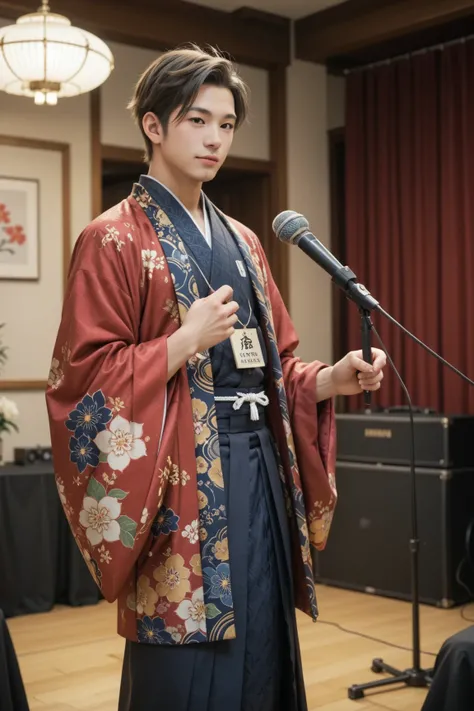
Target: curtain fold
x=409 y=230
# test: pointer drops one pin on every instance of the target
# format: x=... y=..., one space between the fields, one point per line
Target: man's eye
x=228 y=126
x=196 y=119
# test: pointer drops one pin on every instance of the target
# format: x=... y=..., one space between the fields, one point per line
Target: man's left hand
x=352 y=375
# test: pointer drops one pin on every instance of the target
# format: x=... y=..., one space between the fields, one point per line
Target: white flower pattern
x=121 y=442
x=112 y=235
x=56 y=375
x=99 y=518
x=152 y=261
x=193 y=612
x=192 y=531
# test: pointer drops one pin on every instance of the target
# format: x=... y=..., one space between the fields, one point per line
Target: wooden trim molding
x=345 y=29
x=20 y=385
x=64 y=150
x=96 y=152
x=258 y=39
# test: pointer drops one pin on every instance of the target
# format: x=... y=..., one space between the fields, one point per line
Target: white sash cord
x=240 y=398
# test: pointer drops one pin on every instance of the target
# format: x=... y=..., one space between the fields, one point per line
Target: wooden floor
x=71 y=658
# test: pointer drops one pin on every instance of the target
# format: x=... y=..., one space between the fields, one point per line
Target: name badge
x=241 y=268
x=246 y=348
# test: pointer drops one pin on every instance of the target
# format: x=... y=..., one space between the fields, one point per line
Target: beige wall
x=30 y=336
x=310 y=287
x=117 y=128
x=69 y=122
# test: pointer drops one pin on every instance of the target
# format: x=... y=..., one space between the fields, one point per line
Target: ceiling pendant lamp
x=44 y=57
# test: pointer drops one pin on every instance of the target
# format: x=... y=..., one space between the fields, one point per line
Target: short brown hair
x=174 y=79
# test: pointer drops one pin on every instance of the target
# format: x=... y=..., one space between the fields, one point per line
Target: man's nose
x=213 y=137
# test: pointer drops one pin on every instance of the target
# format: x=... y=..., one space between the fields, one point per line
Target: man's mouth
x=209 y=159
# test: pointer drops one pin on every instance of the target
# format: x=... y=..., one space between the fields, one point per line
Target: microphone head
x=289 y=226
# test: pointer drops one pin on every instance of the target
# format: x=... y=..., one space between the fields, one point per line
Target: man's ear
x=153 y=128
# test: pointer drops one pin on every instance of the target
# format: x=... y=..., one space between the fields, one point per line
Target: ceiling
x=288 y=8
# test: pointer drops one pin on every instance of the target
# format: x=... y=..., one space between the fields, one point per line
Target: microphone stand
x=365 y=326
x=415 y=676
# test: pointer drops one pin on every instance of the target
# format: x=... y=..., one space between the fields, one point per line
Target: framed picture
x=19 y=228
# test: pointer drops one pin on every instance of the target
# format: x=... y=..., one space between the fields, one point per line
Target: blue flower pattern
x=218 y=581
x=165 y=523
x=84 y=453
x=151 y=630
x=90 y=416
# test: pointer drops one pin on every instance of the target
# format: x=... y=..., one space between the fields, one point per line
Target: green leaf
x=127 y=524
x=95 y=489
x=118 y=494
x=128 y=529
x=126 y=539
x=103 y=457
x=212 y=611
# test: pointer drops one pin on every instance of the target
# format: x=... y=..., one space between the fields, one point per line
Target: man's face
x=197 y=146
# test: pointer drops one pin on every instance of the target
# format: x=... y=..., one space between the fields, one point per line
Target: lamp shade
x=45 y=57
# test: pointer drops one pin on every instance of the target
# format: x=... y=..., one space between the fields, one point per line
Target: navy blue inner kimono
x=260 y=670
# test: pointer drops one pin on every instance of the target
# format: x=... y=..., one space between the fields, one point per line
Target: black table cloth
x=452 y=688
x=40 y=564
x=12 y=691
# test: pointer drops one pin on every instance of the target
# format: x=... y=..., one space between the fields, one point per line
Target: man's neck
x=188 y=192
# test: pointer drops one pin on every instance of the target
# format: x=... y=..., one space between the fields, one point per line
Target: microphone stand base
x=419 y=678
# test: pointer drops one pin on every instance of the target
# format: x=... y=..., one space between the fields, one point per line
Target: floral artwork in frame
x=19 y=220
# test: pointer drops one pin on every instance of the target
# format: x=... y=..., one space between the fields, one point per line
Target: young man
x=194 y=452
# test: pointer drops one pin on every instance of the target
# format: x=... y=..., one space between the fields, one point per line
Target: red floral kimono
x=126 y=442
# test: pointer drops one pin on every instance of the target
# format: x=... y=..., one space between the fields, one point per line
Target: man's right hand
x=211 y=320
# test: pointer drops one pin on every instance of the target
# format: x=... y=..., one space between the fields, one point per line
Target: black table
x=12 y=691
x=40 y=564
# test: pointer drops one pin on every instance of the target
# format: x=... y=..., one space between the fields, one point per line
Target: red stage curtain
x=409 y=227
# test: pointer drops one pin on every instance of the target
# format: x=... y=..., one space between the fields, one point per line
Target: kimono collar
x=166 y=197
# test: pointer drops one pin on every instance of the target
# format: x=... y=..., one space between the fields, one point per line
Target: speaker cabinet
x=368 y=545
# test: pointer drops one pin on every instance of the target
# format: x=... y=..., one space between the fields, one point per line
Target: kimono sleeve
x=312 y=423
x=106 y=401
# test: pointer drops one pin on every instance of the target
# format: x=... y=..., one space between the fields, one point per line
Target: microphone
x=293 y=228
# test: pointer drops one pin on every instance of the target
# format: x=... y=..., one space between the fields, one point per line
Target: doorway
x=242 y=189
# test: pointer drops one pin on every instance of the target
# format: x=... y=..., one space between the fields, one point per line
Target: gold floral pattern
x=173 y=579
x=195 y=564
x=172 y=474
x=319 y=527
x=146 y=598
x=171 y=307
x=112 y=234
x=116 y=404
x=215 y=474
x=202 y=500
x=201 y=465
x=201 y=430
x=222 y=549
